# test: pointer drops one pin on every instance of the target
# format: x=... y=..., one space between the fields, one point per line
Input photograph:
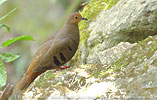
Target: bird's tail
x=26 y=81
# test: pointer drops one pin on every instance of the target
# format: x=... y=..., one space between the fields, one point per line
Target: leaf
x=11 y=41
x=8 y=57
x=2 y=1
x=3 y=25
x=3 y=75
x=3 y=17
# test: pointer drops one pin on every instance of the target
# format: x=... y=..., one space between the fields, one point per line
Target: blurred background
x=37 y=18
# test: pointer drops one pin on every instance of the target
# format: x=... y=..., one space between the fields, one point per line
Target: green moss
x=98 y=70
x=146 y=66
x=90 y=11
x=137 y=54
x=49 y=75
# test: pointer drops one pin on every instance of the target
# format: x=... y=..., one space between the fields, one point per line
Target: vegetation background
x=37 y=18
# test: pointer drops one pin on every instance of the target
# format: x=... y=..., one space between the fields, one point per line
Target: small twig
x=7 y=92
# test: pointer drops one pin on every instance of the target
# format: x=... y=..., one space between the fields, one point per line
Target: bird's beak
x=84 y=18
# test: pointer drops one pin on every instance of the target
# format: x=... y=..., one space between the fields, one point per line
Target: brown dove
x=58 y=49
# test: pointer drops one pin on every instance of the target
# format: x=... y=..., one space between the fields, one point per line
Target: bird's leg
x=64 y=67
x=61 y=68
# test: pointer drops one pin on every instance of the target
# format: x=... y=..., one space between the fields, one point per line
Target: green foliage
x=3 y=25
x=3 y=75
x=11 y=41
x=2 y=1
x=3 y=17
x=8 y=57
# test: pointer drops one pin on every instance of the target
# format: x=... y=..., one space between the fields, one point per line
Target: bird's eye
x=76 y=17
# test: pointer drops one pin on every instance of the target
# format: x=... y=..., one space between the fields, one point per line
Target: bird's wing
x=59 y=52
x=41 y=52
x=39 y=55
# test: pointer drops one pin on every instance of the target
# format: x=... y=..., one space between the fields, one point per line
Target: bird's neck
x=73 y=31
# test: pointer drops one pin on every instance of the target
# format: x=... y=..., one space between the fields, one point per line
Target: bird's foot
x=61 y=68
x=64 y=67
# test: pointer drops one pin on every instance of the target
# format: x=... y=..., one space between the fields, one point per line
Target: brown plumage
x=58 y=49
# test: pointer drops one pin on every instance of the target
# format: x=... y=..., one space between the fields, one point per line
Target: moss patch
x=44 y=77
x=135 y=55
x=90 y=11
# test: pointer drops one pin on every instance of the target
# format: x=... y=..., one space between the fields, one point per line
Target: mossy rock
x=90 y=11
x=138 y=61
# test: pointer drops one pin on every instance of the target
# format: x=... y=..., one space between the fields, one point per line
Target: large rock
x=133 y=63
x=130 y=77
x=136 y=70
x=128 y=21
x=112 y=54
x=90 y=11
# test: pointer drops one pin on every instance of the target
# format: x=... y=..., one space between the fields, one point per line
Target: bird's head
x=75 y=18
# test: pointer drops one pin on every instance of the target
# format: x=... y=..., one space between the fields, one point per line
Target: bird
x=57 y=50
